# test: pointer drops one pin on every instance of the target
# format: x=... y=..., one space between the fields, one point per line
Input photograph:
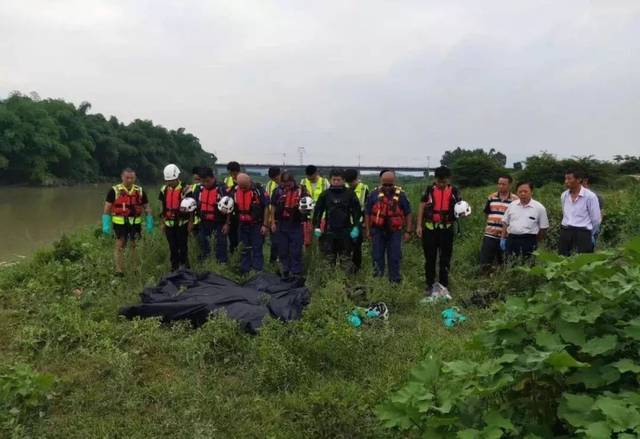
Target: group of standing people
x=341 y=212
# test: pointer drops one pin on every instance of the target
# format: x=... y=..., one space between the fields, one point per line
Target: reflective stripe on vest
x=229 y=181
x=439 y=206
x=172 y=199
x=386 y=211
x=271 y=187
x=208 y=203
x=125 y=202
x=361 y=192
x=320 y=186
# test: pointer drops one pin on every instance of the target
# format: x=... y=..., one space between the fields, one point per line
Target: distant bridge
x=299 y=169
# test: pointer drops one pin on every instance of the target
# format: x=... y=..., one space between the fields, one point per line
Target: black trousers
x=575 y=239
x=490 y=252
x=178 y=238
x=337 y=247
x=437 y=245
x=356 y=256
x=233 y=233
x=521 y=245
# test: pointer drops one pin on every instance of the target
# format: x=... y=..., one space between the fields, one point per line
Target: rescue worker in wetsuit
x=315 y=185
x=212 y=221
x=233 y=168
x=272 y=185
x=435 y=224
x=387 y=213
x=175 y=224
x=343 y=215
x=251 y=202
x=124 y=206
x=361 y=190
x=286 y=224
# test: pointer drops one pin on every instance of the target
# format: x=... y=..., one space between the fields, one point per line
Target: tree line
x=477 y=167
x=50 y=141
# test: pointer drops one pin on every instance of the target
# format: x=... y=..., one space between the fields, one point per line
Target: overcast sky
x=392 y=81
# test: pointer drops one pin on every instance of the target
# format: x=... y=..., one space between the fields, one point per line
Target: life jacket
x=127 y=206
x=208 y=203
x=386 y=211
x=172 y=198
x=271 y=187
x=288 y=203
x=440 y=205
x=320 y=186
x=248 y=204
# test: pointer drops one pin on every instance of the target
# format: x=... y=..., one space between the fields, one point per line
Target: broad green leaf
x=623 y=416
x=595 y=376
x=426 y=372
x=581 y=403
x=626 y=365
x=461 y=367
x=562 y=361
x=548 y=340
x=394 y=415
x=600 y=345
x=570 y=332
x=597 y=430
x=495 y=419
x=469 y=433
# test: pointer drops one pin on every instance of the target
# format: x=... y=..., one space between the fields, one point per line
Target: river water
x=32 y=217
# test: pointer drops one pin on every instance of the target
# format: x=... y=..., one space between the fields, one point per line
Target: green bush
x=561 y=361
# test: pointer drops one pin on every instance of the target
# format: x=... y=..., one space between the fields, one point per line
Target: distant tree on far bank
x=545 y=168
x=52 y=141
x=474 y=167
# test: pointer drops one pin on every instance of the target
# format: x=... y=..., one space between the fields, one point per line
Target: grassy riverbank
x=316 y=377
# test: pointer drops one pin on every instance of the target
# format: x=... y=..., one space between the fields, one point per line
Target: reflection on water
x=32 y=217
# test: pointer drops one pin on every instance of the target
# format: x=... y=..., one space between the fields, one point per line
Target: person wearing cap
x=581 y=216
x=387 y=213
x=175 y=224
x=361 y=191
x=524 y=224
x=315 y=185
x=250 y=207
x=233 y=168
x=272 y=185
x=286 y=219
x=436 y=217
x=494 y=209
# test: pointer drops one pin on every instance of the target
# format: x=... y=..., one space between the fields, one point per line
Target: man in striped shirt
x=494 y=209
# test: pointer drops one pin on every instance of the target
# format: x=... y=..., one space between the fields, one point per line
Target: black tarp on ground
x=186 y=295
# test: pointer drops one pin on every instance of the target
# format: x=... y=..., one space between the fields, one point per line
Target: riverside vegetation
x=559 y=357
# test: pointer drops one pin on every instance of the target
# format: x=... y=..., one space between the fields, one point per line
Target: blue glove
x=355 y=232
x=354 y=320
x=149 y=223
x=503 y=244
x=106 y=224
x=317 y=233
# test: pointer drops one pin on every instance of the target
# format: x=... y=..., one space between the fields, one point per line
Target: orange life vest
x=172 y=199
x=208 y=203
x=127 y=203
x=439 y=207
x=288 y=203
x=386 y=211
x=247 y=204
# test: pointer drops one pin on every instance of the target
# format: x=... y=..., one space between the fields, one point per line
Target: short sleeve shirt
x=526 y=219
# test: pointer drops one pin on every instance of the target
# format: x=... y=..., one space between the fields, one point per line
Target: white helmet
x=462 y=209
x=171 y=172
x=188 y=205
x=225 y=205
x=306 y=204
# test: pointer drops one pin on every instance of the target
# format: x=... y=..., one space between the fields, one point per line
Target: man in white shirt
x=581 y=216
x=524 y=223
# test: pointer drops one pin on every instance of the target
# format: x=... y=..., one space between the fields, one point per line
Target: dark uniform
x=250 y=205
x=437 y=231
x=289 y=236
x=342 y=211
x=211 y=221
x=387 y=208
